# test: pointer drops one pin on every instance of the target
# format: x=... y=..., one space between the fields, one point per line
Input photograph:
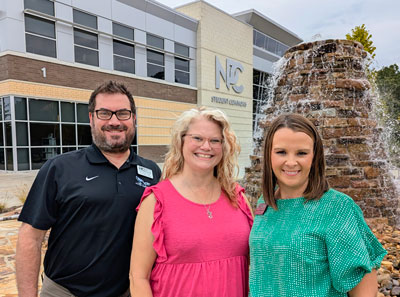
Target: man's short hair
x=111 y=87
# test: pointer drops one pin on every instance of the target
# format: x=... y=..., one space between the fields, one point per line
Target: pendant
x=209 y=214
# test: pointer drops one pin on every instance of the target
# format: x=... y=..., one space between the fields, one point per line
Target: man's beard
x=100 y=140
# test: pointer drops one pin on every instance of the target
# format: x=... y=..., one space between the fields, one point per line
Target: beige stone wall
x=221 y=35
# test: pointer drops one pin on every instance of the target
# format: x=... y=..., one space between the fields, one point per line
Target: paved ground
x=8 y=240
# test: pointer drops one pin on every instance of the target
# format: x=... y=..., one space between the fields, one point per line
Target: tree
x=361 y=34
x=388 y=84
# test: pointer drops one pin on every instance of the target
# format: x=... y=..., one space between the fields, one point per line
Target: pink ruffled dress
x=199 y=256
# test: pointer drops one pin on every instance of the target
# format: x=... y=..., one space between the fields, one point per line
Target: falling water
x=326 y=82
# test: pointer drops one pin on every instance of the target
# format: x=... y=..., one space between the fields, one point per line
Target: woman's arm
x=367 y=287
x=143 y=254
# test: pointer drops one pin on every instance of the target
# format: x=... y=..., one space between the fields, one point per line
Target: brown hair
x=111 y=87
x=317 y=183
x=227 y=168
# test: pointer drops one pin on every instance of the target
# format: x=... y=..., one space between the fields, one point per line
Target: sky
x=325 y=19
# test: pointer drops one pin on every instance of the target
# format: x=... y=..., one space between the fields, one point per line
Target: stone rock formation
x=326 y=82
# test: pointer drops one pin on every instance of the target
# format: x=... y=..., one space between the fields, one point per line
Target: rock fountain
x=326 y=82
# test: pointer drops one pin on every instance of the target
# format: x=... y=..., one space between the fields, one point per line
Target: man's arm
x=28 y=259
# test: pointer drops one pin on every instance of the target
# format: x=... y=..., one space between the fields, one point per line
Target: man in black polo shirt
x=88 y=199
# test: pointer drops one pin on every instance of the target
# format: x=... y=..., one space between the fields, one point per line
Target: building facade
x=54 y=53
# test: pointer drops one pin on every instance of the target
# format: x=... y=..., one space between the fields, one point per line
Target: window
x=44 y=6
x=155 y=59
x=155 y=64
x=268 y=43
x=86 y=42
x=155 y=41
x=123 y=31
x=85 y=19
x=182 y=66
x=124 y=56
x=182 y=71
x=261 y=93
x=86 y=47
x=40 y=36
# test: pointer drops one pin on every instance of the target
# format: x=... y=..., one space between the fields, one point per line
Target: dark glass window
x=7 y=108
x=85 y=39
x=155 y=71
x=123 y=31
x=84 y=135
x=82 y=112
x=181 y=64
x=155 y=41
x=182 y=77
x=41 y=155
x=85 y=19
x=67 y=112
x=23 y=159
x=44 y=134
x=1 y=109
x=124 y=64
x=181 y=50
x=256 y=77
x=9 y=159
x=86 y=56
x=68 y=134
x=22 y=134
x=43 y=110
x=68 y=149
x=40 y=26
x=2 y=160
x=40 y=46
x=155 y=57
x=124 y=49
x=20 y=108
x=44 y=6
x=1 y=135
x=7 y=126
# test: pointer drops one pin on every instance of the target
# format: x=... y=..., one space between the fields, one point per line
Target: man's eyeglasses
x=105 y=114
x=199 y=140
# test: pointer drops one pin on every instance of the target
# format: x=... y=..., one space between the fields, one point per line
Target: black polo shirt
x=89 y=205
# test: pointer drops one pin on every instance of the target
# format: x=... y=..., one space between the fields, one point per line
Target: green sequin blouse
x=320 y=248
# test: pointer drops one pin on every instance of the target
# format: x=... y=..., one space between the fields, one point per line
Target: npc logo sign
x=230 y=76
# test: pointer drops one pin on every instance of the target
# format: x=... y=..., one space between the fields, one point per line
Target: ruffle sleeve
x=157 y=226
x=353 y=250
x=243 y=204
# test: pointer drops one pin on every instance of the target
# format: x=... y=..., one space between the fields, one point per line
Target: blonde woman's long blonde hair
x=227 y=169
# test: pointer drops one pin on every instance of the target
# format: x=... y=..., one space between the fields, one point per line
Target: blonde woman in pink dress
x=192 y=229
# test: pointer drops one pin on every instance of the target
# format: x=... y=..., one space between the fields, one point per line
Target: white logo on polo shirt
x=90 y=178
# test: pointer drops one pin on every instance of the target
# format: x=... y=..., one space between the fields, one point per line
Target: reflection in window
x=9 y=160
x=67 y=112
x=86 y=45
x=22 y=134
x=20 y=108
x=44 y=6
x=84 y=135
x=7 y=126
x=268 y=43
x=23 y=159
x=124 y=56
x=155 y=41
x=40 y=36
x=45 y=134
x=43 y=110
x=83 y=113
x=85 y=19
x=181 y=50
x=2 y=159
x=155 y=64
x=40 y=155
x=68 y=134
x=1 y=135
x=181 y=71
x=123 y=31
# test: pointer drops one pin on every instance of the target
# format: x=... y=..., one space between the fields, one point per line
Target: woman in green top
x=307 y=239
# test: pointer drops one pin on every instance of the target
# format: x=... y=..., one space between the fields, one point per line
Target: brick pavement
x=8 y=240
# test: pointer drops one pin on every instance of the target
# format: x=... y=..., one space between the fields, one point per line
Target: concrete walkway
x=15 y=185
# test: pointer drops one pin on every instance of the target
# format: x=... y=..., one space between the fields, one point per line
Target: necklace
x=206 y=206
